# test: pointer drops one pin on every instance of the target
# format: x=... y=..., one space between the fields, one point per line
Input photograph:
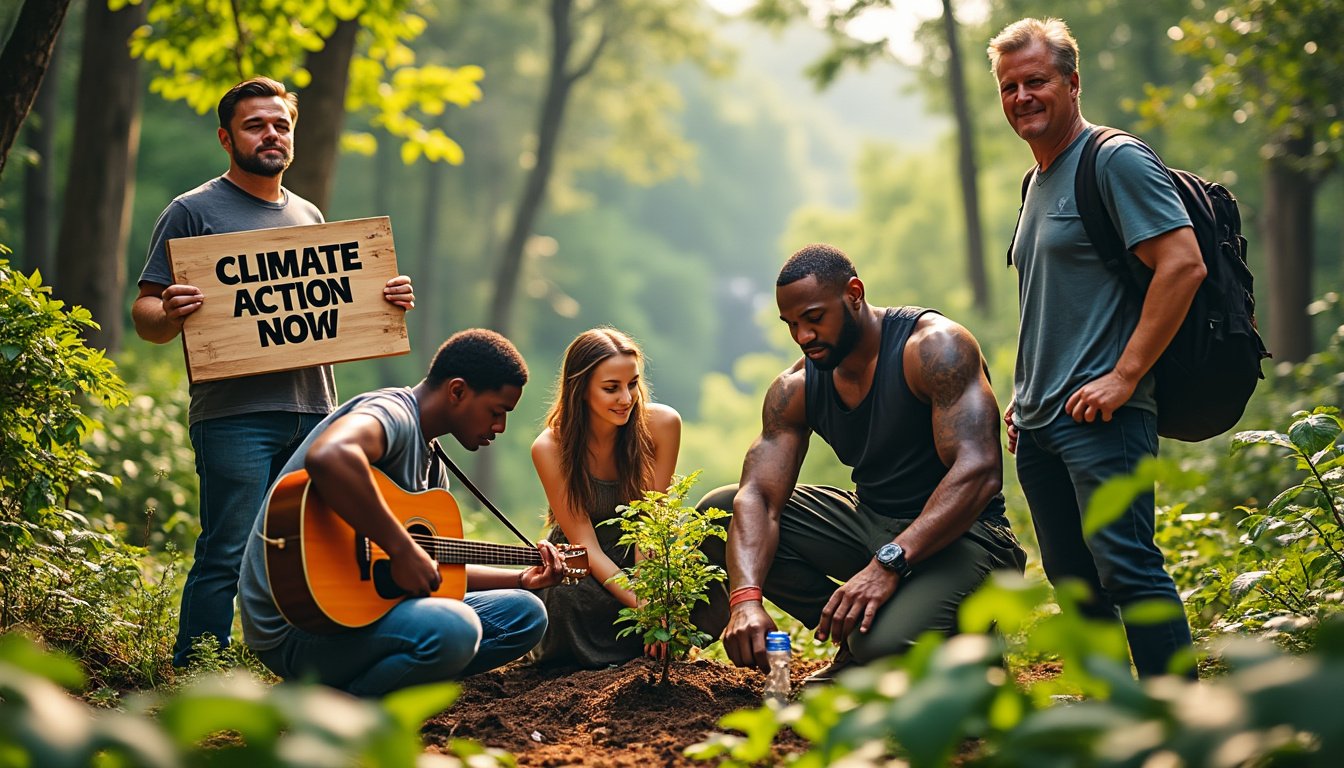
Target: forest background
x=554 y=165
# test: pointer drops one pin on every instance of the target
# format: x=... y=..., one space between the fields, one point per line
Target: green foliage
x=673 y=574
x=203 y=47
x=1113 y=497
x=1284 y=574
x=216 y=720
x=146 y=446
x=1254 y=475
x=1277 y=64
x=1268 y=710
x=61 y=576
x=45 y=371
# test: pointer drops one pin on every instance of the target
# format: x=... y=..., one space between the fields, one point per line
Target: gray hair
x=1024 y=32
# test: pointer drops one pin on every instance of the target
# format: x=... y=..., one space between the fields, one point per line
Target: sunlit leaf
x=1260 y=437
x=19 y=651
x=1315 y=432
x=412 y=706
x=1245 y=583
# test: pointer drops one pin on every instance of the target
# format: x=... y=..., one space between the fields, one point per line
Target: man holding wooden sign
x=242 y=429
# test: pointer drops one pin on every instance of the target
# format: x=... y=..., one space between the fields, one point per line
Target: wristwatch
x=892 y=557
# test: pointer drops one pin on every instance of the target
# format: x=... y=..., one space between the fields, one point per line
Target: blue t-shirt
x=408 y=462
x=1075 y=315
x=217 y=207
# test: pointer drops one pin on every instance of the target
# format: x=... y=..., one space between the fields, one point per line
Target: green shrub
x=220 y=719
x=46 y=374
x=1284 y=574
x=61 y=577
x=673 y=574
x=146 y=446
x=951 y=699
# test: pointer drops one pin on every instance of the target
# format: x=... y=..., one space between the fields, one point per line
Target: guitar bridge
x=363 y=556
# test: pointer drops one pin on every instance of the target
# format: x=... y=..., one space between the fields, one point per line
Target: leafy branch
x=674 y=574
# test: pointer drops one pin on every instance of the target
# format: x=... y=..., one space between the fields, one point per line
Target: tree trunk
x=317 y=135
x=100 y=185
x=1290 y=195
x=558 y=83
x=24 y=62
x=966 y=166
x=39 y=188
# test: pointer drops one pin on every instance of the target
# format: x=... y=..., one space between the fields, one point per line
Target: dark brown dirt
x=604 y=718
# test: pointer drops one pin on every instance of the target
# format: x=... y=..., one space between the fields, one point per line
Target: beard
x=835 y=353
x=264 y=165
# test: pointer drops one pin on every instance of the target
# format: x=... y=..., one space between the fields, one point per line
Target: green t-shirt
x=1075 y=315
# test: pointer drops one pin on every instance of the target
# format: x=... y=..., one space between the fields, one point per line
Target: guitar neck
x=462 y=551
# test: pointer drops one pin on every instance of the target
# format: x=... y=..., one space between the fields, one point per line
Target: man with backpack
x=1084 y=407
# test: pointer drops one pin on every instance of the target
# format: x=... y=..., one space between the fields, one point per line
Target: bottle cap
x=777 y=641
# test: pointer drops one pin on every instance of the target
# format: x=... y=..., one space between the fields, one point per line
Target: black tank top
x=887 y=439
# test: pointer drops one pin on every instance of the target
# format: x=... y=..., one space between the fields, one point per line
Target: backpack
x=1209 y=370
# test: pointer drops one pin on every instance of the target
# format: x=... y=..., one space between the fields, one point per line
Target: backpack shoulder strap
x=1026 y=184
x=1101 y=230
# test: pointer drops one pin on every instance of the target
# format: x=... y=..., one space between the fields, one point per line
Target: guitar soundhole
x=383 y=583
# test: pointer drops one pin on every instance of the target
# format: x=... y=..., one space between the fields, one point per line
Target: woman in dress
x=604 y=444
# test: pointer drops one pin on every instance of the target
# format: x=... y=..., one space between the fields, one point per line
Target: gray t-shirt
x=408 y=462
x=216 y=207
x=1075 y=316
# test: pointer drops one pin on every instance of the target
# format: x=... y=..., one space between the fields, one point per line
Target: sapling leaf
x=673 y=573
x=1242 y=440
x=1314 y=433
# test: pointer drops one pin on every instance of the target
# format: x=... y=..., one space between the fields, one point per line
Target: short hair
x=263 y=87
x=482 y=358
x=1023 y=32
x=829 y=264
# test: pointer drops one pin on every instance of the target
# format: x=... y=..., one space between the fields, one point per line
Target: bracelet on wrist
x=744 y=595
x=520 y=580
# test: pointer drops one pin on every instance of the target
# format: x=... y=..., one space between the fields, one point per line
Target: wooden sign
x=291 y=297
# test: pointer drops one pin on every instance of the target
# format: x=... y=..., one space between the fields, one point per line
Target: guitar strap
x=439 y=452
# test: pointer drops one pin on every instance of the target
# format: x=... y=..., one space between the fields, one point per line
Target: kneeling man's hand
x=744 y=637
x=856 y=602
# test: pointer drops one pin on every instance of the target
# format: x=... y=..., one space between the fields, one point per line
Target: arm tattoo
x=777 y=403
x=962 y=415
x=949 y=366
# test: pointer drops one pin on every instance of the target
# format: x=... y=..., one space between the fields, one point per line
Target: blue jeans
x=421 y=640
x=1060 y=466
x=237 y=459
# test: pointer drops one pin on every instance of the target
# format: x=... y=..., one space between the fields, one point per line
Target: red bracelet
x=743 y=595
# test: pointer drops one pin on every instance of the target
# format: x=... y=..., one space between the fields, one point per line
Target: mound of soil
x=619 y=716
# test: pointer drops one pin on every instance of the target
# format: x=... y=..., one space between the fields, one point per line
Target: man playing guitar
x=475 y=380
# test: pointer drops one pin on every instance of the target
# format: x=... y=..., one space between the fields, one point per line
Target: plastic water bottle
x=777 y=650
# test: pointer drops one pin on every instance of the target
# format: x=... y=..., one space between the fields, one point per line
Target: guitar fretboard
x=462 y=551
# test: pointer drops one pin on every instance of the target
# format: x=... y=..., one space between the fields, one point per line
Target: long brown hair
x=570 y=420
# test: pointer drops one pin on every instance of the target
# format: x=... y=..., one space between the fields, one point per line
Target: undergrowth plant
x=144 y=446
x=949 y=701
x=671 y=574
x=217 y=719
x=1286 y=573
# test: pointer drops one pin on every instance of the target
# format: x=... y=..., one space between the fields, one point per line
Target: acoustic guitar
x=326 y=576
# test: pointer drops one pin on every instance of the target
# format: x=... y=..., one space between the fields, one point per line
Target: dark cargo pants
x=826 y=535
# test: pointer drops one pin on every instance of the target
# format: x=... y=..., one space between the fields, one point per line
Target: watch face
x=892 y=557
